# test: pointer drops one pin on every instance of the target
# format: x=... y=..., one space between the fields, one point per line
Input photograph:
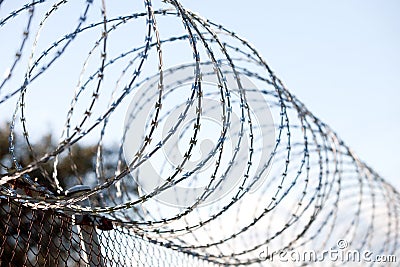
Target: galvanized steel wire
x=308 y=192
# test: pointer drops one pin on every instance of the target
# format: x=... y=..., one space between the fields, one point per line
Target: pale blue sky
x=341 y=58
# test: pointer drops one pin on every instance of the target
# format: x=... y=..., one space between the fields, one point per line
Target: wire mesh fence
x=177 y=146
x=47 y=238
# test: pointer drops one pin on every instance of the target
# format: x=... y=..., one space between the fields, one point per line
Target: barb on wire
x=177 y=146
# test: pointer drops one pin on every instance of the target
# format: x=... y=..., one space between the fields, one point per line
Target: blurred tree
x=43 y=238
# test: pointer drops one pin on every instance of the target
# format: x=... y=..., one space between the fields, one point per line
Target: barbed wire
x=217 y=163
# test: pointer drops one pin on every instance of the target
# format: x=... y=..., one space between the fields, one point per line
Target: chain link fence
x=177 y=146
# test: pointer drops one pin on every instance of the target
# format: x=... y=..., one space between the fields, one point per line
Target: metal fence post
x=87 y=230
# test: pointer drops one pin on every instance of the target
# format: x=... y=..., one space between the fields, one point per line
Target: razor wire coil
x=274 y=176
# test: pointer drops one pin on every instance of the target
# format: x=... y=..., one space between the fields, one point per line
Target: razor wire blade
x=199 y=146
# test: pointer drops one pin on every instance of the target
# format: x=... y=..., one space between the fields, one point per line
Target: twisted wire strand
x=303 y=188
